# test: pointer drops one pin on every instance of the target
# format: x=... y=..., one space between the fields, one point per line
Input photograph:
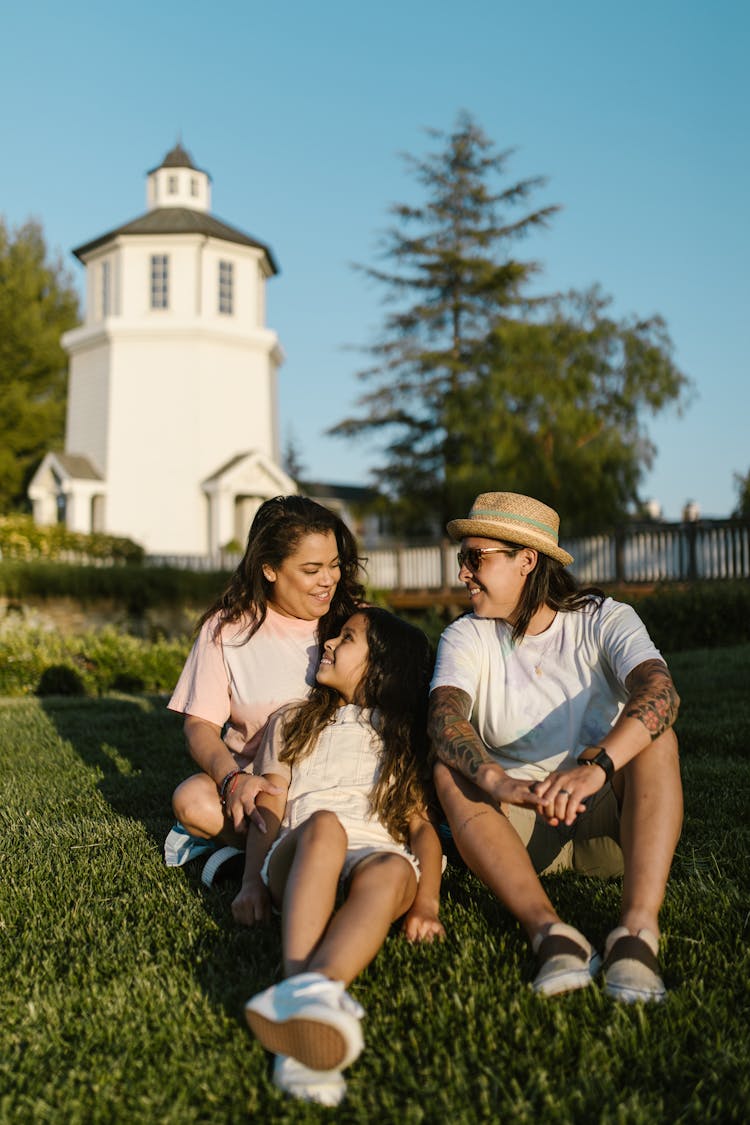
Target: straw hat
x=515 y=519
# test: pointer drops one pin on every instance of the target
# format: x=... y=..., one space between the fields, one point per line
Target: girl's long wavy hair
x=549 y=583
x=278 y=528
x=396 y=683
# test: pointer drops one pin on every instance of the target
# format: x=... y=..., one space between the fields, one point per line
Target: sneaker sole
x=312 y=1042
x=215 y=862
x=629 y=995
x=569 y=981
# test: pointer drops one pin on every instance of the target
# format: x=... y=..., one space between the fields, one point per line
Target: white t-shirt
x=230 y=679
x=538 y=704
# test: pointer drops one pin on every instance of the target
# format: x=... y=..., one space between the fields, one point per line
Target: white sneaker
x=566 y=960
x=180 y=847
x=631 y=968
x=216 y=861
x=327 y=1087
x=310 y=1018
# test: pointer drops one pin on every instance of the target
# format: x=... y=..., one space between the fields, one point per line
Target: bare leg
x=493 y=850
x=650 y=791
x=196 y=805
x=308 y=886
x=382 y=888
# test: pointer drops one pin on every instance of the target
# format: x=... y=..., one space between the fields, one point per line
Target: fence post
x=444 y=581
x=619 y=554
x=691 y=530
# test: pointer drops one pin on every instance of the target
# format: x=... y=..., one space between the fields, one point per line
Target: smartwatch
x=602 y=759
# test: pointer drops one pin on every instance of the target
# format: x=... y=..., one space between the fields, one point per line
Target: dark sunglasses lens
x=471 y=558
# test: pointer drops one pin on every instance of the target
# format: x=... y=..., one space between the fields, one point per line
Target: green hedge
x=136 y=588
x=702 y=615
x=21 y=538
x=44 y=662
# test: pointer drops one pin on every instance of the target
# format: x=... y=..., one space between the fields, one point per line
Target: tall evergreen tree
x=479 y=385
x=37 y=304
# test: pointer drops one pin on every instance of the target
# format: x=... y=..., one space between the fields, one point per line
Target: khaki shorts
x=590 y=846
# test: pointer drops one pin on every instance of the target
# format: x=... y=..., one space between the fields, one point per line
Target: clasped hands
x=559 y=798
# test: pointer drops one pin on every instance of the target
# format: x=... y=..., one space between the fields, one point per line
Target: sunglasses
x=472 y=556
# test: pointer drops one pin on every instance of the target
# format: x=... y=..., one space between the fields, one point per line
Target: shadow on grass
x=137 y=750
x=134 y=744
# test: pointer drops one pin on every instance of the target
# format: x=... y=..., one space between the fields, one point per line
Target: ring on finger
x=565 y=791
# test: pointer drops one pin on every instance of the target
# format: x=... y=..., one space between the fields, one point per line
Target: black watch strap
x=602 y=759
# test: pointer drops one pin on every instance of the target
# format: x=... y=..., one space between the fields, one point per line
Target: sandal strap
x=632 y=948
x=555 y=945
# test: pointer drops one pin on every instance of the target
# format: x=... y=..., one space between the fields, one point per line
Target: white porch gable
x=66 y=488
x=236 y=491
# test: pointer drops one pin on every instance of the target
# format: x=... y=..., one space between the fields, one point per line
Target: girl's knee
x=324 y=825
x=388 y=869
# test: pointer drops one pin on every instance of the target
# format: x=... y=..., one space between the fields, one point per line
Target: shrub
x=60 y=679
x=43 y=662
x=701 y=615
x=21 y=538
x=136 y=588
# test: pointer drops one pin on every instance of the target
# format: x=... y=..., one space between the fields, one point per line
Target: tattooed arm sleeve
x=653 y=699
x=452 y=736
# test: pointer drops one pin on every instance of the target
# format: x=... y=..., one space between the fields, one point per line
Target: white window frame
x=159 y=281
x=226 y=288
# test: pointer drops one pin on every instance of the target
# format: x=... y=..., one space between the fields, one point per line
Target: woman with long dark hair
x=256 y=648
x=355 y=848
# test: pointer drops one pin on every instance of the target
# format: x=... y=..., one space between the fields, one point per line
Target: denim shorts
x=362 y=842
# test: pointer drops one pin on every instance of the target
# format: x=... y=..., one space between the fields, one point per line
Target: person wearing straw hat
x=550 y=716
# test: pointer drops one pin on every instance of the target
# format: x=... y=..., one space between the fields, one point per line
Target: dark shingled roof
x=177 y=157
x=179 y=220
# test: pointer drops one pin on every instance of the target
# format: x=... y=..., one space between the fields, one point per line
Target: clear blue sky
x=637 y=113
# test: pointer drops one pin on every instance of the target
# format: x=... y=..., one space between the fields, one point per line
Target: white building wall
x=88 y=415
x=184 y=405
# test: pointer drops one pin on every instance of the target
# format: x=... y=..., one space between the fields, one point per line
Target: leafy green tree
x=479 y=384
x=742 y=483
x=37 y=304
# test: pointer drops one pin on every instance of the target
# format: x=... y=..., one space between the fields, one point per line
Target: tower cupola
x=178 y=183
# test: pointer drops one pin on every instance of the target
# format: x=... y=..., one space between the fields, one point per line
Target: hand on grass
x=252 y=905
x=422 y=925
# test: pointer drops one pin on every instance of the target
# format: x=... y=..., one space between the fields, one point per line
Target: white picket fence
x=708 y=549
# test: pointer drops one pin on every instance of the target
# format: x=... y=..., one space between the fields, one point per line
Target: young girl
x=350 y=762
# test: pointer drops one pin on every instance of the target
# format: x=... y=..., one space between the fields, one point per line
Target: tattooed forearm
x=452 y=736
x=653 y=698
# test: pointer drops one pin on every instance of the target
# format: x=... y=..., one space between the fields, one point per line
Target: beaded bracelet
x=229 y=780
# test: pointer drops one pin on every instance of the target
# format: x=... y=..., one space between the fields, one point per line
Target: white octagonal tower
x=172 y=427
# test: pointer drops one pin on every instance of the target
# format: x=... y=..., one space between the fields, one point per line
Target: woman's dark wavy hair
x=549 y=583
x=395 y=682
x=277 y=529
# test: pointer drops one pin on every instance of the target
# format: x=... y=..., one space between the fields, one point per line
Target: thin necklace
x=543 y=653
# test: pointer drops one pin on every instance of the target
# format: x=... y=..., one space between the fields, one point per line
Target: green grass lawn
x=123 y=982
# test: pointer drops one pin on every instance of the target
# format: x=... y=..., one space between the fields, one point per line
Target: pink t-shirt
x=230 y=680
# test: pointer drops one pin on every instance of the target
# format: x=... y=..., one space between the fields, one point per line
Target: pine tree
x=480 y=385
